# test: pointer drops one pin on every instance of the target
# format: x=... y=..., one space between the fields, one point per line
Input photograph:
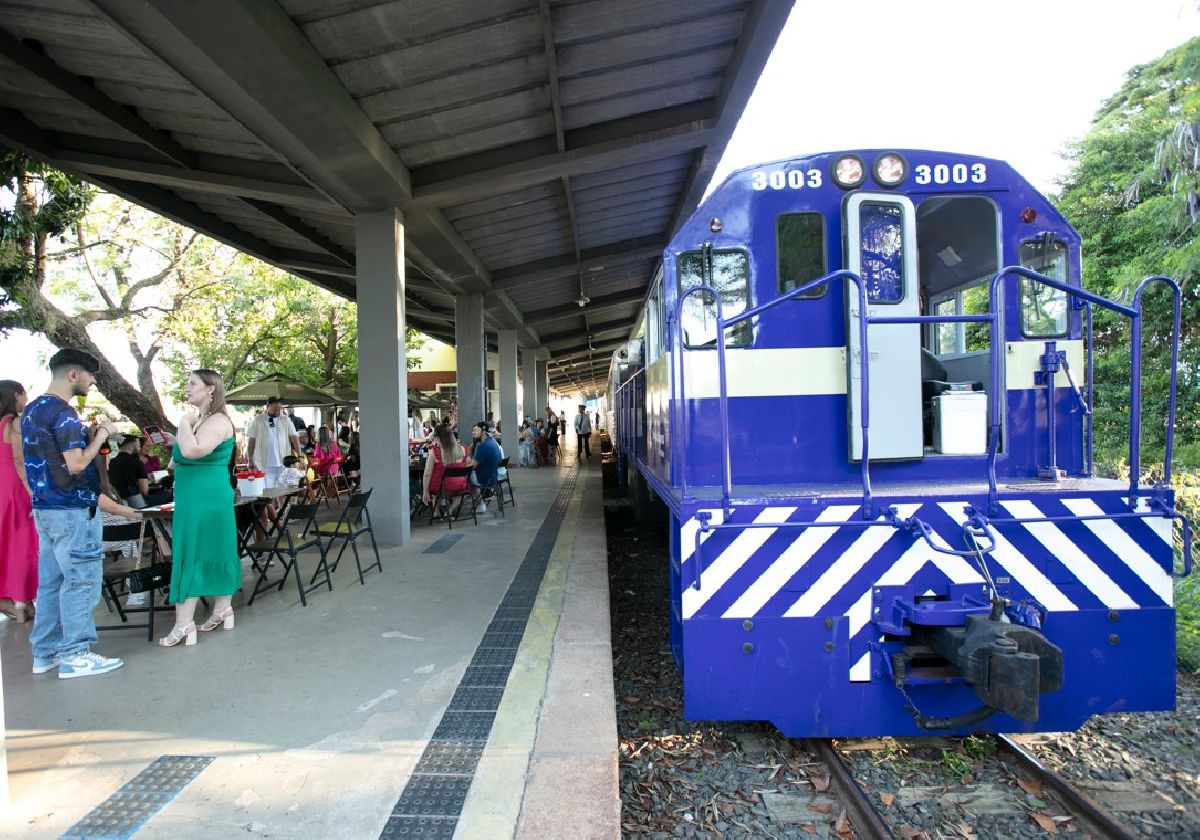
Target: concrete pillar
x=382 y=372
x=471 y=354
x=506 y=381
x=543 y=386
x=529 y=395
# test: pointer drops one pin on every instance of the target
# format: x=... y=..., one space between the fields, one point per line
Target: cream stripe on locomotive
x=775 y=372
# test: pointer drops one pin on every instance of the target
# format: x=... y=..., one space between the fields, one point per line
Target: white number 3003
x=792 y=179
x=958 y=173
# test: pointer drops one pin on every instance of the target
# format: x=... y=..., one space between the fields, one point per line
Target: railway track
x=1092 y=818
x=865 y=820
x=868 y=823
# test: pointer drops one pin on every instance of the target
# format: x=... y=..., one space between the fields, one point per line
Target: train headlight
x=849 y=171
x=890 y=169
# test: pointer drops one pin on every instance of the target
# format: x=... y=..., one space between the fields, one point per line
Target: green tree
x=1132 y=197
x=74 y=262
x=47 y=211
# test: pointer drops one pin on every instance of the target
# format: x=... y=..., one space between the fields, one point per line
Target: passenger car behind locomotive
x=861 y=385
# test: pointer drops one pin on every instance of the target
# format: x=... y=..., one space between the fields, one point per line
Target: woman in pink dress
x=18 y=537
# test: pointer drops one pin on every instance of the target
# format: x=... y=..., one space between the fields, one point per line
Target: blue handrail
x=722 y=389
x=1134 y=313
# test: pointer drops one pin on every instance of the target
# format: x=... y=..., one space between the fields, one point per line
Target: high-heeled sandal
x=185 y=634
x=224 y=619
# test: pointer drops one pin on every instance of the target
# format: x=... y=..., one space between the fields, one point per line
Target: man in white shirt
x=269 y=438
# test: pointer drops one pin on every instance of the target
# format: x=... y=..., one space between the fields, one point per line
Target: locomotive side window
x=800 y=250
x=731 y=278
x=882 y=252
x=1044 y=310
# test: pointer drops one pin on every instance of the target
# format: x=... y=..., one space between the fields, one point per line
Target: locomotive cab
x=862 y=396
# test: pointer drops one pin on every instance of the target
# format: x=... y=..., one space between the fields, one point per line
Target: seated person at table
x=446 y=452
x=485 y=458
x=353 y=464
x=293 y=472
x=128 y=475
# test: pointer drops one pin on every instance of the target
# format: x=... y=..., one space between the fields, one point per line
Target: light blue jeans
x=70 y=564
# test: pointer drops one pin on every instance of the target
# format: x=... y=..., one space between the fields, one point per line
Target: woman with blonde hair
x=446 y=452
x=205 y=556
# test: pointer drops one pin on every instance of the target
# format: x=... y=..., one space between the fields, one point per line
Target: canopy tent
x=283 y=387
x=416 y=399
x=344 y=394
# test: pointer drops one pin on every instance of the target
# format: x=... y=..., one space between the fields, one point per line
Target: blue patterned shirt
x=50 y=427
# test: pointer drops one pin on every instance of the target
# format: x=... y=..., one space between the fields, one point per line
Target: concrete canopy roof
x=539 y=150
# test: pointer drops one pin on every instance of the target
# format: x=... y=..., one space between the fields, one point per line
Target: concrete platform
x=316 y=717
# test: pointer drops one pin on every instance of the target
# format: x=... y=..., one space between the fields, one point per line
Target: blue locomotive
x=861 y=384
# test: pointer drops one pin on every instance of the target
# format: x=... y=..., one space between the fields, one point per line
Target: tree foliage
x=1131 y=194
x=76 y=265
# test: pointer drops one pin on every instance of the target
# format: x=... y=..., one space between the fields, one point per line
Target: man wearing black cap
x=66 y=493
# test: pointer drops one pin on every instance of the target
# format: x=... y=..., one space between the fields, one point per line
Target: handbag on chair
x=154 y=576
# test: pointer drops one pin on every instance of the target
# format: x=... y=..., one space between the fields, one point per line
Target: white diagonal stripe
x=1161 y=525
x=847 y=566
x=1071 y=556
x=790 y=561
x=859 y=614
x=860 y=671
x=1125 y=547
x=718 y=572
x=1026 y=574
x=687 y=534
x=906 y=565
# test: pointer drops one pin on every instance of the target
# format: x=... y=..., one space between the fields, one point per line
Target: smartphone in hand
x=156 y=435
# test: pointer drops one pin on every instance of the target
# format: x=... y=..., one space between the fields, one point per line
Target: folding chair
x=354 y=521
x=286 y=546
x=443 y=497
x=501 y=483
x=118 y=568
x=492 y=493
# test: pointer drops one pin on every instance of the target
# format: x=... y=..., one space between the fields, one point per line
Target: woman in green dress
x=204 y=543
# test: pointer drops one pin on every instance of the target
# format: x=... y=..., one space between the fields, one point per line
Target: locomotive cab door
x=881 y=244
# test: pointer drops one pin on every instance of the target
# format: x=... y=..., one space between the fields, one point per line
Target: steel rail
x=1076 y=800
x=867 y=823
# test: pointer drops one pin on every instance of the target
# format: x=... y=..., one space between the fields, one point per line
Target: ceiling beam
x=252 y=61
x=649 y=144
x=280 y=216
x=205 y=181
x=765 y=20
x=553 y=314
x=623 y=324
x=592 y=259
x=31 y=59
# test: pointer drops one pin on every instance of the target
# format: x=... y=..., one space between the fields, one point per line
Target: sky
x=1015 y=80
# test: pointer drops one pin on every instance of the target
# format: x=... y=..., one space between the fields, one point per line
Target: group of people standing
x=51 y=493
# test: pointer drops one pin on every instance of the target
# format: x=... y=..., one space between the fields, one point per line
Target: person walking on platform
x=205 y=560
x=583 y=428
x=269 y=437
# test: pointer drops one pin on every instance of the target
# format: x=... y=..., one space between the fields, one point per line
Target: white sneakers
x=84 y=665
